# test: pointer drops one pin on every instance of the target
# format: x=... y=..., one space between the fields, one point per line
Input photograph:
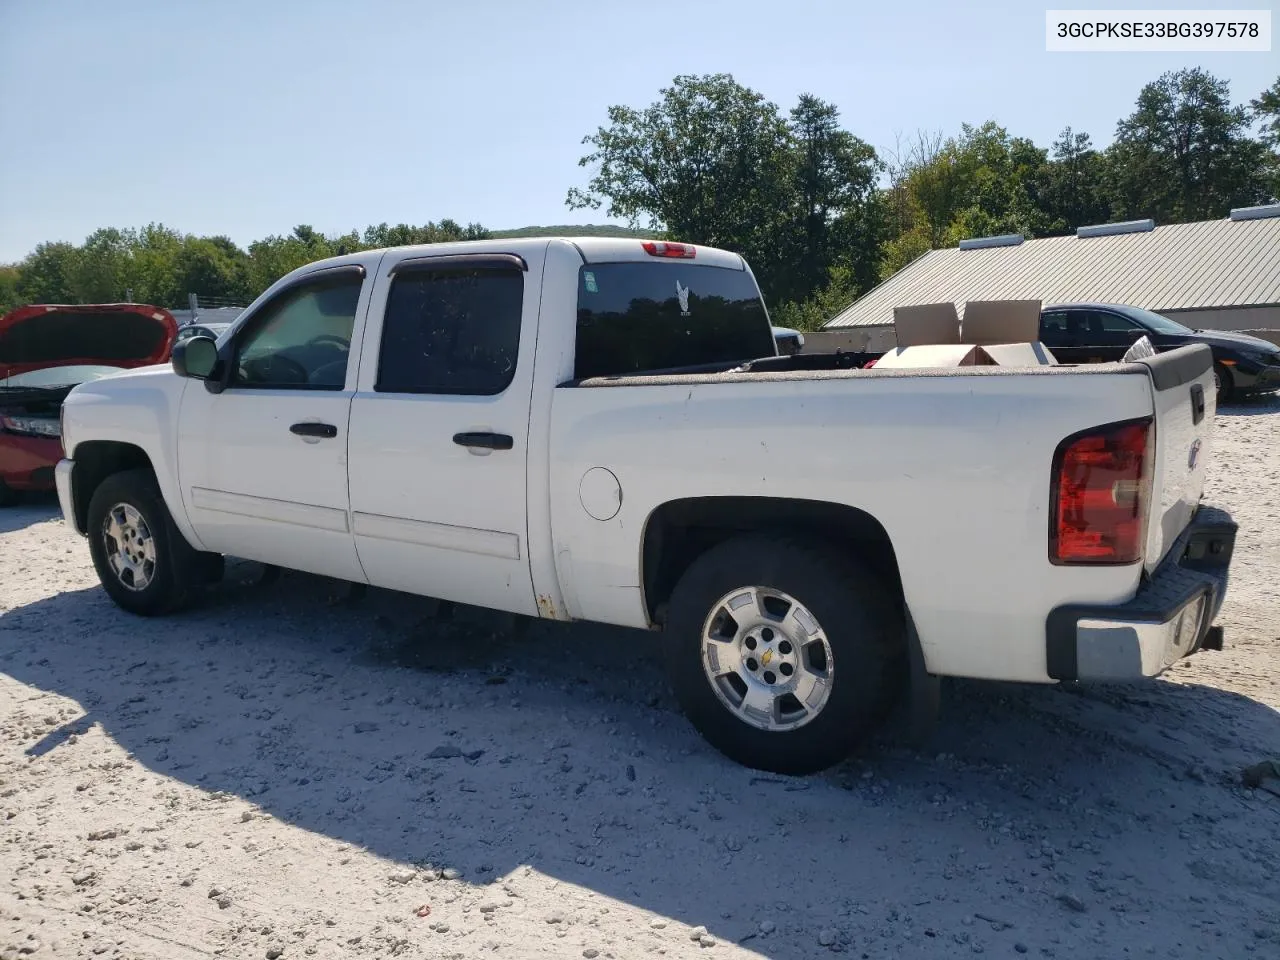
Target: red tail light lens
x=1101 y=489
x=660 y=248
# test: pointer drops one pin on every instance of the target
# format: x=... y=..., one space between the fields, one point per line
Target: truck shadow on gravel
x=461 y=745
x=30 y=509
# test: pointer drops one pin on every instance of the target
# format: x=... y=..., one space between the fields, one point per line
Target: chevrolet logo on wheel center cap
x=766 y=657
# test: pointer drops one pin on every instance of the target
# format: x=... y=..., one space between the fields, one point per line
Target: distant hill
x=574 y=230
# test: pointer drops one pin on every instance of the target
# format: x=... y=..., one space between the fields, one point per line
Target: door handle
x=1197 y=403
x=485 y=441
x=327 y=430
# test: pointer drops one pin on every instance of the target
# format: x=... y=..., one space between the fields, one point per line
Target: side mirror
x=196 y=358
x=790 y=342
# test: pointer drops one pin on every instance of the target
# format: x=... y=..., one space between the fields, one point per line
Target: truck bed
x=923 y=451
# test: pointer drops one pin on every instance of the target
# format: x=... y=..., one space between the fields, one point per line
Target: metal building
x=1214 y=274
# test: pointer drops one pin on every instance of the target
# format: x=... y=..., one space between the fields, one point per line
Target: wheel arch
x=95 y=461
x=679 y=531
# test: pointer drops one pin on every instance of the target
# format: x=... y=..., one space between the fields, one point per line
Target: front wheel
x=145 y=564
x=783 y=654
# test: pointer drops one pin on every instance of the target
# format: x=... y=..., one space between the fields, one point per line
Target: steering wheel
x=275 y=368
x=330 y=338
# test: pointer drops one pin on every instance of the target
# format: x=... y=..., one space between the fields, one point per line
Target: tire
x=1224 y=383
x=852 y=678
x=8 y=496
x=161 y=560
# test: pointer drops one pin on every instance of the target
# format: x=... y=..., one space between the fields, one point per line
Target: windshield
x=58 y=376
x=1157 y=323
x=637 y=317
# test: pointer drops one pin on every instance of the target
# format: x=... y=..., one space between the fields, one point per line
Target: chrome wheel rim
x=767 y=658
x=130 y=547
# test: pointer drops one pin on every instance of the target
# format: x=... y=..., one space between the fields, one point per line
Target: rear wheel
x=8 y=495
x=1223 y=383
x=145 y=564
x=783 y=654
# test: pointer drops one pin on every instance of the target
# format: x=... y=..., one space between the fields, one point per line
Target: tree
x=402 y=234
x=152 y=269
x=100 y=269
x=271 y=258
x=841 y=289
x=1266 y=112
x=834 y=180
x=43 y=274
x=981 y=182
x=1072 y=188
x=1185 y=152
x=708 y=162
x=211 y=268
x=9 y=278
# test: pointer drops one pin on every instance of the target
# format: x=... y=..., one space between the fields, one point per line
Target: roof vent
x=1256 y=213
x=979 y=243
x=1110 y=229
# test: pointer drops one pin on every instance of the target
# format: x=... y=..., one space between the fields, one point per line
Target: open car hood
x=123 y=335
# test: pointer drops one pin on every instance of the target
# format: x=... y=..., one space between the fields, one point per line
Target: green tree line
x=159 y=265
x=822 y=216
x=819 y=213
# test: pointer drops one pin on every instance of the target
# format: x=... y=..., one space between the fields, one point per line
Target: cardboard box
x=1001 y=321
x=994 y=333
x=927 y=324
x=937 y=355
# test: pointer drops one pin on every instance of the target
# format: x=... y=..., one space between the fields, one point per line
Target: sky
x=248 y=118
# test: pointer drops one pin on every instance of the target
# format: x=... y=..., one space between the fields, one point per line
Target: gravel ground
x=275 y=775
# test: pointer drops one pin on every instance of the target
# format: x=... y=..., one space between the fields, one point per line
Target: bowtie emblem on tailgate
x=1193 y=455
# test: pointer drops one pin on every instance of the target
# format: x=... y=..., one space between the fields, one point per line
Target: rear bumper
x=1170 y=616
x=62 y=478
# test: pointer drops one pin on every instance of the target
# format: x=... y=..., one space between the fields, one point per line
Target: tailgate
x=1185 y=404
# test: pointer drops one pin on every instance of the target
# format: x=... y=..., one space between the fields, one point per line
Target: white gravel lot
x=271 y=775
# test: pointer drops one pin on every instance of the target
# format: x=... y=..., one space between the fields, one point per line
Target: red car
x=48 y=349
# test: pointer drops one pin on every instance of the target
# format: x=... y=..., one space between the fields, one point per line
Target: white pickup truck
x=603 y=430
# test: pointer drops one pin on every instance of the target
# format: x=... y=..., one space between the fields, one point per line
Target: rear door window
x=454 y=331
x=640 y=317
x=1053 y=330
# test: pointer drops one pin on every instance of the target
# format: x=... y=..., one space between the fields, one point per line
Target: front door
x=263 y=464
x=440 y=426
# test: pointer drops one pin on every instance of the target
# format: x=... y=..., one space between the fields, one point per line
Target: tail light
x=660 y=248
x=1101 y=489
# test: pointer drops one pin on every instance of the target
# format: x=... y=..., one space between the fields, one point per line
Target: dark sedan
x=1102 y=332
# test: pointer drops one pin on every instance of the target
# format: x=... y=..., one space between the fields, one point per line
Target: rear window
x=638 y=317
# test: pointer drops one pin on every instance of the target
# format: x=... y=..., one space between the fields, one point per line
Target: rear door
x=440 y=427
x=1056 y=335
